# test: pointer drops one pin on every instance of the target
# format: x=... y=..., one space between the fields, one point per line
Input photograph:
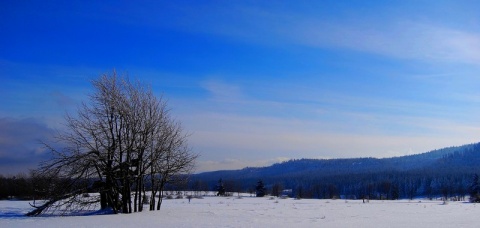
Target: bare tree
x=118 y=141
x=171 y=157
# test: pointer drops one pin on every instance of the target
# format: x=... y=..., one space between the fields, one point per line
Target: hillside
x=463 y=156
x=454 y=165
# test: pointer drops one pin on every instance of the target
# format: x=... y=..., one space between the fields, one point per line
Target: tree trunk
x=152 y=200
x=160 y=198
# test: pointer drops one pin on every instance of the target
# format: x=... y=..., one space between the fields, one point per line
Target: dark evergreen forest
x=446 y=173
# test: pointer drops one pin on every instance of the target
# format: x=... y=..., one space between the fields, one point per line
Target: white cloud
x=398 y=39
x=397 y=36
x=222 y=91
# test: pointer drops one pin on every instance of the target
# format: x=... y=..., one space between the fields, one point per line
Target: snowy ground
x=264 y=212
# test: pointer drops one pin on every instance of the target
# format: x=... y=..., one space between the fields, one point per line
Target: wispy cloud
x=397 y=36
x=222 y=91
x=398 y=39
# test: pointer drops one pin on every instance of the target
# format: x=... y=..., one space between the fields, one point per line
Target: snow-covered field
x=265 y=212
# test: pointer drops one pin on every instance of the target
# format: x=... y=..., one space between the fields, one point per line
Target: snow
x=264 y=212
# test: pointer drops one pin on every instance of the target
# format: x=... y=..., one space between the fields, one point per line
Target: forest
x=445 y=173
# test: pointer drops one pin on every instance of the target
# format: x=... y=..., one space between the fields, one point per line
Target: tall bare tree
x=118 y=141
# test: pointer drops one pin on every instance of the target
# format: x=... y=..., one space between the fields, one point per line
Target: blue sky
x=254 y=82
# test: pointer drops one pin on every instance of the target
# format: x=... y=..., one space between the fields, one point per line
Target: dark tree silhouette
x=474 y=189
x=220 y=188
x=260 y=189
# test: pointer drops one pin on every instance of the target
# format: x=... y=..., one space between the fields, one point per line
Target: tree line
x=18 y=186
x=389 y=186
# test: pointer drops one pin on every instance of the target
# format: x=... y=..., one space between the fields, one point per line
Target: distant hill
x=457 y=163
x=464 y=156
